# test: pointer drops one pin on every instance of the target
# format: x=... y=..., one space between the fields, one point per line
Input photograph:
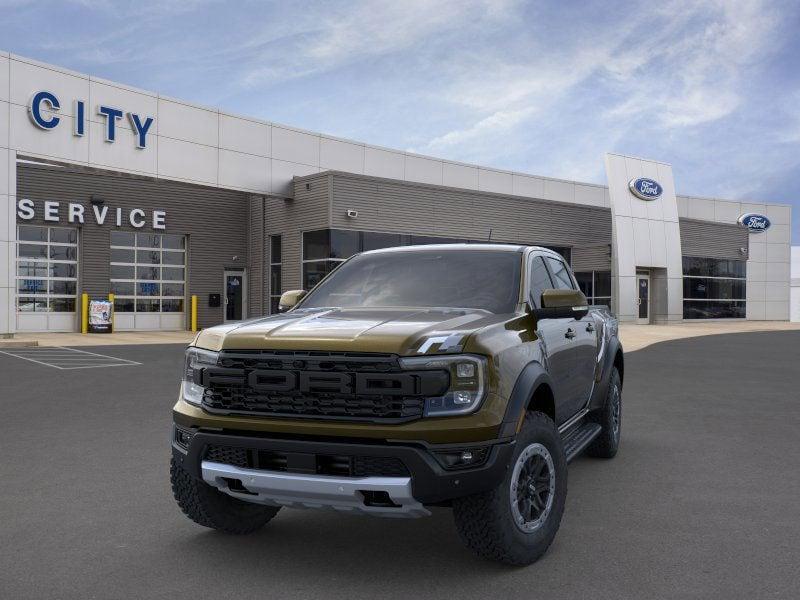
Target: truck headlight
x=196 y=359
x=467 y=382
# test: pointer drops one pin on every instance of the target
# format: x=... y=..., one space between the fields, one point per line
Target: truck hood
x=385 y=330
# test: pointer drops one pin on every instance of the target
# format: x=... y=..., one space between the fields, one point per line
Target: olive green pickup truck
x=463 y=376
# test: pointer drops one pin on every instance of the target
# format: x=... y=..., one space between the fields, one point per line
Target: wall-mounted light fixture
x=352 y=214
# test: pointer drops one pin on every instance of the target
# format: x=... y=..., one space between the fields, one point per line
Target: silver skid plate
x=314 y=491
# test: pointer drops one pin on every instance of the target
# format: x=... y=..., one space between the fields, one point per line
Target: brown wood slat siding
x=256 y=252
x=307 y=211
x=215 y=221
x=386 y=205
x=713 y=240
x=592 y=258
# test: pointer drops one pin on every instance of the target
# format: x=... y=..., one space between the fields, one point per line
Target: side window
x=540 y=280
x=561 y=276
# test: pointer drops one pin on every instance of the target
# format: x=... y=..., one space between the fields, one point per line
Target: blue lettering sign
x=44 y=103
x=140 y=128
x=79 y=126
x=111 y=115
x=35 y=109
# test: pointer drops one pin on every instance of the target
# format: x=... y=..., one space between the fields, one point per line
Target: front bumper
x=299 y=483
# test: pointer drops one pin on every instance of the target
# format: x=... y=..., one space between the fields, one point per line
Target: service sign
x=754 y=222
x=646 y=189
x=100 y=312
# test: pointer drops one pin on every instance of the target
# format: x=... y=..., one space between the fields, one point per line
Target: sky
x=543 y=87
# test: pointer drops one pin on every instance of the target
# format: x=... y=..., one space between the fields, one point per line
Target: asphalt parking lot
x=703 y=500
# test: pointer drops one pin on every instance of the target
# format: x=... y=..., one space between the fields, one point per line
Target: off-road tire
x=606 y=444
x=485 y=521
x=209 y=507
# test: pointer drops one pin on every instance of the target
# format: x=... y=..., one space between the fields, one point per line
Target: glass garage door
x=47 y=278
x=148 y=280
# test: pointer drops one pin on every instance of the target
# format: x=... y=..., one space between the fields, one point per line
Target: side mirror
x=562 y=304
x=290 y=299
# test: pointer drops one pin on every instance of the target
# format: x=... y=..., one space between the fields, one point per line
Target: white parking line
x=67 y=359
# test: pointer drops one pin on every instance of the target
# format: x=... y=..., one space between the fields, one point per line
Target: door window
x=540 y=280
x=561 y=277
x=234 y=297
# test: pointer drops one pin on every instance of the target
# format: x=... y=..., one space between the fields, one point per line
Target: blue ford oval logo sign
x=754 y=222
x=646 y=189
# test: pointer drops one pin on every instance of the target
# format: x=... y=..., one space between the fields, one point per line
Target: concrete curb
x=18 y=344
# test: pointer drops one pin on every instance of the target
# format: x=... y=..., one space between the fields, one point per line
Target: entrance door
x=234 y=295
x=643 y=289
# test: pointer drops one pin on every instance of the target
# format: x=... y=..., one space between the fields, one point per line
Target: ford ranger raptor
x=464 y=375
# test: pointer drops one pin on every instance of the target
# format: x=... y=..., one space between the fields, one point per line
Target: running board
x=579 y=437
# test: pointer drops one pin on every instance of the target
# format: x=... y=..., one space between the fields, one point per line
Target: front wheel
x=609 y=417
x=211 y=508
x=516 y=522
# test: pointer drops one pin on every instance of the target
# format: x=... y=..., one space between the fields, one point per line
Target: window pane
x=561 y=278
x=275 y=250
x=172 y=289
x=714 y=289
x=148 y=240
x=122 y=288
x=31 y=286
x=585 y=283
x=63 y=253
x=118 y=272
x=314 y=272
x=275 y=279
x=31 y=304
x=273 y=305
x=602 y=283
x=32 y=251
x=62 y=305
x=147 y=289
x=173 y=258
x=123 y=256
x=148 y=257
x=376 y=241
x=540 y=281
x=344 y=243
x=123 y=304
x=147 y=273
x=172 y=306
x=30 y=233
x=603 y=300
x=714 y=267
x=316 y=244
x=63 y=235
x=148 y=305
x=63 y=288
x=172 y=273
x=175 y=242
x=563 y=251
x=123 y=238
x=703 y=309
x=32 y=269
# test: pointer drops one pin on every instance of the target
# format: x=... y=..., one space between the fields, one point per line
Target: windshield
x=424 y=278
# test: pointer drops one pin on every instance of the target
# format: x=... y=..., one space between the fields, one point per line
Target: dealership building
x=106 y=189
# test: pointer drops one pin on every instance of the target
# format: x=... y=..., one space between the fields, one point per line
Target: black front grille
x=320 y=464
x=323 y=385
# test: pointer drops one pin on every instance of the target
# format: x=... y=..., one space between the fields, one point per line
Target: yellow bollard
x=84 y=313
x=113 y=312
x=194 y=313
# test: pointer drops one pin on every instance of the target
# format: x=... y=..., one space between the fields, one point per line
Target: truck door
x=553 y=334
x=583 y=343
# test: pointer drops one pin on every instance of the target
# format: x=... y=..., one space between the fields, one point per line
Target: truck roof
x=497 y=247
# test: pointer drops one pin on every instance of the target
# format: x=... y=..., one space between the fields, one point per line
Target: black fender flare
x=601 y=385
x=532 y=376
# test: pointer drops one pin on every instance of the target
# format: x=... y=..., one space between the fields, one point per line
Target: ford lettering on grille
x=329 y=387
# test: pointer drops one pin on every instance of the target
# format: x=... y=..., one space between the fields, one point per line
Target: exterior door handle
x=590 y=328
x=570 y=334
